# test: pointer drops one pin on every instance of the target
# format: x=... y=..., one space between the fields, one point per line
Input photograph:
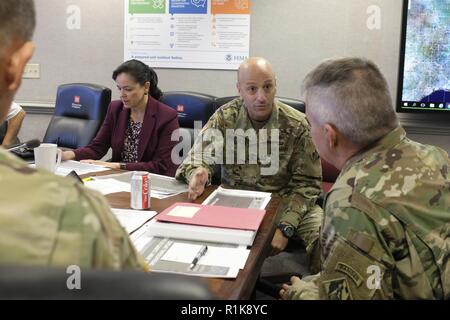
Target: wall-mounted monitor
x=424 y=73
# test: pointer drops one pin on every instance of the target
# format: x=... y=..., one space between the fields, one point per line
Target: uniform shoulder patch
x=337 y=289
x=350 y=272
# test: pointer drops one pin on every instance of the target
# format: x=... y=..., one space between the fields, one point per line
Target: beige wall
x=293 y=34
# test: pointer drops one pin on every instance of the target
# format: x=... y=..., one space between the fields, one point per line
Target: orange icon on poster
x=230 y=7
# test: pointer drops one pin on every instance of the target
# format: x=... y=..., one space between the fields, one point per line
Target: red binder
x=213 y=216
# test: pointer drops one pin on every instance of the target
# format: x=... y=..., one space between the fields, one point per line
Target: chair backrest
x=223 y=100
x=329 y=175
x=191 y=107
x=294 y=103
x=52 y=283
x=80 y=109
x=3 y=130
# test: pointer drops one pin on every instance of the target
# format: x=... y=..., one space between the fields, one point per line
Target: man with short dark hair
x=386 y=224
x=46 y=219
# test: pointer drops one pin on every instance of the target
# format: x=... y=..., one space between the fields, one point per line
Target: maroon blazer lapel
x=147 y=126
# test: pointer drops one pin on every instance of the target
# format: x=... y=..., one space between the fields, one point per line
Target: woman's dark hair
x=141 y=73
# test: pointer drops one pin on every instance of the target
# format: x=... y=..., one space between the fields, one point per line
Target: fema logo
x=228 y=57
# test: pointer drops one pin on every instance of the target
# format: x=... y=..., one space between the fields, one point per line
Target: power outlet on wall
x=32 y=71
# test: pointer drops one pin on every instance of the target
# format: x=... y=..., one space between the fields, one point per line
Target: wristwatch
x=123 y=166
x=286 y=229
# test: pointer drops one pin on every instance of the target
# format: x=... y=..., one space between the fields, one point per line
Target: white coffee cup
x=47 y=156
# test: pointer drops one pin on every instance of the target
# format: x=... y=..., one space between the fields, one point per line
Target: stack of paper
x=132 y=220
x=207 y=223
x=107 y=186
x=171 y=255
x=218 y=261
x=160 y=186
x=200 y=233
x=238 y=198
x=171 y=241
x=80 y=168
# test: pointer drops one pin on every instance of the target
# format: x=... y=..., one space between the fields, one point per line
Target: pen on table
x=200 y=254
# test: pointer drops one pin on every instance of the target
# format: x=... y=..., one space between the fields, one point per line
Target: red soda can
x=140 y=190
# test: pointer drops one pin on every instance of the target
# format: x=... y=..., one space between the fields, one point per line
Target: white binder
x=200 y=233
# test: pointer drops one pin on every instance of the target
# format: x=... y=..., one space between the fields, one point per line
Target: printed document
x=238 y=198
x=132 y=220
x=107 y=186
x=215 y=256
x=80 y=168
x=160 y=186
x=175 y=256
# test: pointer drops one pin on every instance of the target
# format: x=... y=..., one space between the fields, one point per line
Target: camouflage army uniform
x=55 y=221
x=388 y=214
x=298 y=178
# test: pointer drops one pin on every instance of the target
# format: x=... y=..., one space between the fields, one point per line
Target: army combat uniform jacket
x=386 y=226
x=46 y=220
x=282 y=160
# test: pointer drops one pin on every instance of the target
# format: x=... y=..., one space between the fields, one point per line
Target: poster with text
x=194 y=34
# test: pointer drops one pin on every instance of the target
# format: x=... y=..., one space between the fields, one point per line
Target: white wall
x=293 y=34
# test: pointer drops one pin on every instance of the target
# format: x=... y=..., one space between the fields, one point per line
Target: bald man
x=278 y=155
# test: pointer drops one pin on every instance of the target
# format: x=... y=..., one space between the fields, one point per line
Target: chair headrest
x=28 y=282
x=294 y=103
x=329 y=171
x=82 y=100
x=190 y=106
x=224 y=100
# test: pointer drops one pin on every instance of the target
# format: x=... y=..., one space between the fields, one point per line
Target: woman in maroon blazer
x=137 y=127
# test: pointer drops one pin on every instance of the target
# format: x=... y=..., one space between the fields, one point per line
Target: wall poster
x=194 y=34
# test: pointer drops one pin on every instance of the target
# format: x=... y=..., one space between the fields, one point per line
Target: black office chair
x=220 y=101
x=191 y=107
x=294 y=103
x=44 y=283
x=3 y=130
x=80 y=109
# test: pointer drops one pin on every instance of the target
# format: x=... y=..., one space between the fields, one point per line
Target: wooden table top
x=242 y=286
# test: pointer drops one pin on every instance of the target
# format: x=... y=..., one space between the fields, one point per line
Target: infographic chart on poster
x=194 y=34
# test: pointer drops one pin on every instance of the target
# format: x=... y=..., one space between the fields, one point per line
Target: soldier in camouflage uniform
x=386 y=226
x=290 y=167
x=46 y=219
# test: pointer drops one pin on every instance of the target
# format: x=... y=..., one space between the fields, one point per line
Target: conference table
x=234 y=289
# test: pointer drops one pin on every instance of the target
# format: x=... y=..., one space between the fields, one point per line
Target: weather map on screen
x=424 y=78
